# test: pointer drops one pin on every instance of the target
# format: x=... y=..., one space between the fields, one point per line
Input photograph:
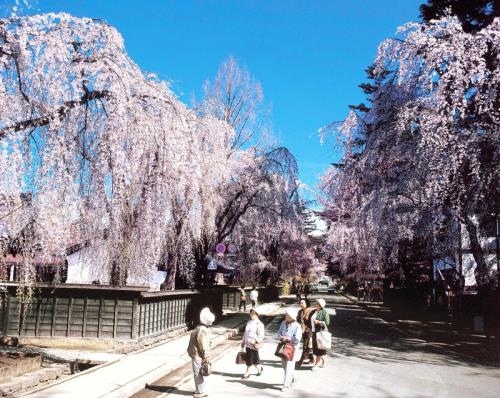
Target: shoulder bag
x=285 y=351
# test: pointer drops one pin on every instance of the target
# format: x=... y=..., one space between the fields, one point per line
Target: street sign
x=212 y=265
x=220 y=248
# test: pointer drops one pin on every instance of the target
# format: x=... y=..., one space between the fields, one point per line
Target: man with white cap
x=290 y=332
x=199 y=343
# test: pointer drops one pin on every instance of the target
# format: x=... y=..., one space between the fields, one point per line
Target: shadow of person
x=227 y=374
x=168 y=390
x=274 y=364
x=257 y=385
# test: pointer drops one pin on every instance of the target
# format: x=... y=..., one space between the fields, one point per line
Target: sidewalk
x=129 y=374
x=438 y=331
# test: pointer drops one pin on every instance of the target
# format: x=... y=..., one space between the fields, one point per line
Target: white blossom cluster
x=426 y=153
x=106 y=152
x=107 y=158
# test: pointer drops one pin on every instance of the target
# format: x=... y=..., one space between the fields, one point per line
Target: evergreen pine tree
x=474 y=14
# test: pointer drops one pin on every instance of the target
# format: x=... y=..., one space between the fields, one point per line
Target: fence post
x=53 y=323
x=68 y=324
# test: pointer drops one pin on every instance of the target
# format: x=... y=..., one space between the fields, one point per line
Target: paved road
x=369 y=358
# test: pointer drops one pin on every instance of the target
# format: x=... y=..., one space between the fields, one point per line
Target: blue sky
x=310 y=55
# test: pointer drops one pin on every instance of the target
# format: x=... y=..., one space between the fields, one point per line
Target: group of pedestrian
x=301 y=290
x=297 y=326
x=303 y=325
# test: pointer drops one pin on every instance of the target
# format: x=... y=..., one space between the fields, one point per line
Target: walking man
x=243 y=298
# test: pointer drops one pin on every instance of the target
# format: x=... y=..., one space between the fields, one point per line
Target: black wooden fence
x=93 y=311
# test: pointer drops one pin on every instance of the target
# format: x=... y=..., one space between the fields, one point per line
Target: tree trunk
x=481 y=272
x=169 y=282
x=201 y=251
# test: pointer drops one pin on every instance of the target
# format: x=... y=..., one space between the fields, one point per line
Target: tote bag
x=324 y=340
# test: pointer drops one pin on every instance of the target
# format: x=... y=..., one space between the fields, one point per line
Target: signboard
x=220 y=248
x=232 y=250
x=212 y=265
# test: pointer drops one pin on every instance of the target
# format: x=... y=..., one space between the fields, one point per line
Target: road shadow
x=356 y=333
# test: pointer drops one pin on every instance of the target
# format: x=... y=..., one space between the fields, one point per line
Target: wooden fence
x=94 y=311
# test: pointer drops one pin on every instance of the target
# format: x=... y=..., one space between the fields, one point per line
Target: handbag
x=241 y=358
x=285 y=351
x=324 y=340
x=206 y=367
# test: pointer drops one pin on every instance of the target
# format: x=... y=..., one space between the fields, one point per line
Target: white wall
x=80 y=268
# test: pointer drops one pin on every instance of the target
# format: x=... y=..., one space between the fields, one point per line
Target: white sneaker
x=285 y=388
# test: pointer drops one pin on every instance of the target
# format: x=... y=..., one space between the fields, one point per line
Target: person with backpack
x=199 y=343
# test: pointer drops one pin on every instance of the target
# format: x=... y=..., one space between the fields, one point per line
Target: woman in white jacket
x=253 y=339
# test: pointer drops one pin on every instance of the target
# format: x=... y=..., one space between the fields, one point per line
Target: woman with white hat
x=320 y=319
x=290 y=332
x=199 y=343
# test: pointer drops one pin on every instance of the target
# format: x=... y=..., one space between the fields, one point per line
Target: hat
x=291 y=312
x=206 y=317
x=321 y=302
